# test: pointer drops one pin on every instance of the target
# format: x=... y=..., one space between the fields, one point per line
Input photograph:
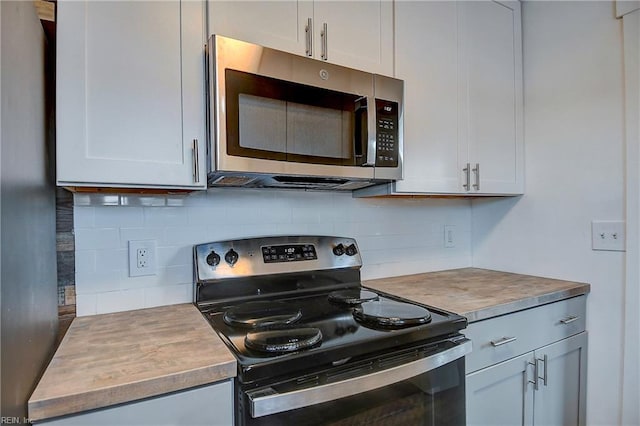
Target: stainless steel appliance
x=283 y=120
x=315 y=347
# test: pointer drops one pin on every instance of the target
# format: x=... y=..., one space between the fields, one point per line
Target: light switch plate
x=449 y=236
x=608 y=235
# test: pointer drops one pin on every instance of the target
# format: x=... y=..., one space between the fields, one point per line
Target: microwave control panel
x=386 y=133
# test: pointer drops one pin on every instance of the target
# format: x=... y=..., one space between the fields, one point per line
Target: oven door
x=427 y=390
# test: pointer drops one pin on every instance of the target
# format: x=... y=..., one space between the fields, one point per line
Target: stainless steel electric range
x=315 y=347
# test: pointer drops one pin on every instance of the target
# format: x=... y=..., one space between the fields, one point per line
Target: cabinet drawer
x=498 y=339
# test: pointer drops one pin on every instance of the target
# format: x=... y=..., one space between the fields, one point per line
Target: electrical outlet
x=142 y=258
x=449 y=236
x=608 y=235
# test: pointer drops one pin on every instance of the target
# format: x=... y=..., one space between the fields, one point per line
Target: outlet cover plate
x=608 y=235
x=149 y=249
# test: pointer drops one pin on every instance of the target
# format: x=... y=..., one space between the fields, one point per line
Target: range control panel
x=289 y=253
x=274 y=255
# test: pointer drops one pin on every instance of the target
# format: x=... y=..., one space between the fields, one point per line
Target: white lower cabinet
x=207 y=405
x=513 y=379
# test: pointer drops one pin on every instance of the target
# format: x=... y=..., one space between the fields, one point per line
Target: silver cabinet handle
x=476 y=170
x=466 y=171
x=569 y=319
x=503 y=341
x=545 y=360
x=308 y=33
x=535 y=373
x=323 y=37
x=264 y=403
x=196 y=168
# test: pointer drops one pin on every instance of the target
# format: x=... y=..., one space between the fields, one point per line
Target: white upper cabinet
x=276 y=24
x=357 y=34
x=130 y=94
x=427 y=60
x=491 y=79
x=462 y=67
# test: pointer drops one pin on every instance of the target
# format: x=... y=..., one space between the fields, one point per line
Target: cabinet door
x=501 y=394
x=276 y=24
x=359 y=34
x=561 y=399
x=491 y=78
x=206 y=405
x=426 y=58
x=130 y=94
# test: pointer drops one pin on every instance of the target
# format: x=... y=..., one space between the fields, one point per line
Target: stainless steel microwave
x=280 y=120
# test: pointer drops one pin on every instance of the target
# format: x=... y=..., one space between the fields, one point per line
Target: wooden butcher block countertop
x=121 y=357
x=478 y=293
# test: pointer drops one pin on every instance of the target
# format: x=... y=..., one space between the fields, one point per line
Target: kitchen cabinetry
x=529 y=368
x=357 y=34
x=207 y=405
x=130 y=94
x=462 y=67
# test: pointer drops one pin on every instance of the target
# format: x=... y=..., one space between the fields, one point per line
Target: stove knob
x=351 y=250
x=213 y=259
x=338 y=250
x=231 y=257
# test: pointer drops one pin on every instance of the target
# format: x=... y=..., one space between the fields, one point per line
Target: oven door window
x=433 y=398
x=277 y=120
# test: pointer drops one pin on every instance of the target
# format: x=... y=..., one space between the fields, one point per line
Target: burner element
x=284 y=340
x=352 y=297
x=261 y=315
x=391 y=314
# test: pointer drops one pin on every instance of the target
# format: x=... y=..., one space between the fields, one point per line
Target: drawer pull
x=535 y=374
x=502 y=341
x=569 y=319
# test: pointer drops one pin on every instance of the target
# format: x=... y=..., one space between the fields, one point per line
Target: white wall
x=574 y=174
x=395 y=236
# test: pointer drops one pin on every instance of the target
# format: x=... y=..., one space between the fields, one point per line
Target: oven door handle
x=263 y=405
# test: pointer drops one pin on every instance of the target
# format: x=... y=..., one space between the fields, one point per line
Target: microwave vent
x=233 y=180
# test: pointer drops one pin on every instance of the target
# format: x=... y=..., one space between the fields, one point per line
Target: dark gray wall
x=28 y=287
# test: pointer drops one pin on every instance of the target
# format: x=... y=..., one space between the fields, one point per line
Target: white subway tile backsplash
x=168 y=295
x=149 y=233
x=164 y=216
x=102 y=281
x=117 y=301
x=175 y=255
x=133 y=200
x=97 y=238
x=179 y=274
x=85 y=262
x=112 y=260
x=396 y=236
x=83 y=217
x=119 y=216
x=175 y=236
x=199 y=215
x=86 y=304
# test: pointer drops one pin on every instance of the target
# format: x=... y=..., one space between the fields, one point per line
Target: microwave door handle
x=371 y=131
x=262 y=404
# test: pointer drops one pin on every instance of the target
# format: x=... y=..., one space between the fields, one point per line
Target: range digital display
x=289 y=253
